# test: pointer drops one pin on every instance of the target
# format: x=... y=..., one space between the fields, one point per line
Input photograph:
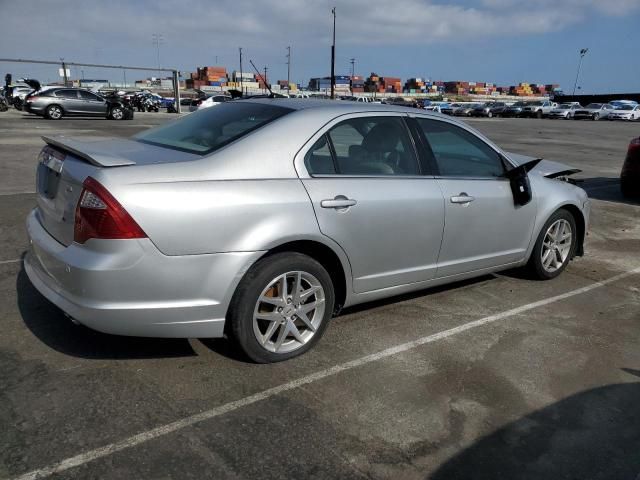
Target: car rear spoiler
x=84 y=150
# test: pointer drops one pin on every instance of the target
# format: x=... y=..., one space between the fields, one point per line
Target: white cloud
x=99 y=29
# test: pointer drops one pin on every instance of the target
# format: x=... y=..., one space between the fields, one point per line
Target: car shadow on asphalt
x=49 y=325
x=594 y=434
x=607 y=189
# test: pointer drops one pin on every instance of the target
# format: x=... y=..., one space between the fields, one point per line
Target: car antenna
x=263 y=79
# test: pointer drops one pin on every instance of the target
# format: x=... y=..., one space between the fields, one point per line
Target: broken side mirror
x=519 y=180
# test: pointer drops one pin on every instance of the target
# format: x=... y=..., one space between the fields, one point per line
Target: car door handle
x=340 y=201
x=462 y=198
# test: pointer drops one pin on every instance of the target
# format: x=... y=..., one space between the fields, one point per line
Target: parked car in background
x=593 y=111
x=630 y=175
x=212 y=101
x=448 y=108
x=564 y=110
x=465 y=110
x=56 y=103
x=627 y=112
x=514 y=110
x=401 y=101
x=436 y=107
x=489 y=109
x=618 y=103
x=265 y=231
x=538 y=109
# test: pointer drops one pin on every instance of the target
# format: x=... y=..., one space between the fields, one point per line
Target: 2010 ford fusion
x=262 y=218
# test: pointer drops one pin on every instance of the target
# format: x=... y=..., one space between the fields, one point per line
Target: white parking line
x=160 y=431
x=4 y=262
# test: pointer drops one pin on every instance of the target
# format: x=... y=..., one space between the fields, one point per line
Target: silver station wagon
x=262 y=218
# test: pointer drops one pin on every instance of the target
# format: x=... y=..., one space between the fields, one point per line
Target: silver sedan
x=261 y=219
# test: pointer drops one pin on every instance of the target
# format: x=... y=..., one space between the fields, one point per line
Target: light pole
x=241 y=89
x=353 y=70
x=333 y=56
x=583 y=52
x=158 y=40
x=288 y=68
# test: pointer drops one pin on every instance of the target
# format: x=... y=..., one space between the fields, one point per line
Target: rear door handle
x=462 y=198
x=340 y=201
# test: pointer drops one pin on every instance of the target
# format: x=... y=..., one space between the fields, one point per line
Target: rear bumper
x=128 y=287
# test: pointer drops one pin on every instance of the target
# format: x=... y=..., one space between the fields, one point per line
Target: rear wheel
x=54 y=112
x=282 y=307
x=18 y=103
x=554 y=247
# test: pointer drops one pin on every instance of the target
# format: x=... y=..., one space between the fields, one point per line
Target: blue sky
x=500 y=41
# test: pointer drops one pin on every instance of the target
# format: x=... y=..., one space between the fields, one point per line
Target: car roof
x=339 y=107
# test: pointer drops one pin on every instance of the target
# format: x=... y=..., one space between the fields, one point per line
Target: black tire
x=535 y=266
x=54 y=112
x=116 y=113
x=18 y=104
x=596 y=117
x=259 y=276
x=627 y=188
x=539 y=114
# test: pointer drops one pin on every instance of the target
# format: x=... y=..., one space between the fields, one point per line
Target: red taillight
x=99 y=215
x=635 y=144
x=32 y=98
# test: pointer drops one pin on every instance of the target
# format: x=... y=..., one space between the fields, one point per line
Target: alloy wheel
x=556 y=245
x=55 y=112
x=288 y=312
x=116 y=113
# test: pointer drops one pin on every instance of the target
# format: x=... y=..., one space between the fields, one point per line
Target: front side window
x=373 y=146
x=89 y=96
x=459 y=153
x=209 y=129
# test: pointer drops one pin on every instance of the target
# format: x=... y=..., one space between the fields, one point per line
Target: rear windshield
x=208 y=130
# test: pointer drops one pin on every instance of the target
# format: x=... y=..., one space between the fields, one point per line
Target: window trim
x=299 y=160
x=431 y=156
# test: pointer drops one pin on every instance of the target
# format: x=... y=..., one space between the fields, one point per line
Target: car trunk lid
x=65 y=163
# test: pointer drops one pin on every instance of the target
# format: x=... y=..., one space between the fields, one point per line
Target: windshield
x=595 y=105
x=626 y=107
x=519 y=104
x=535 y=104
x=208 y=130
x=564 y=106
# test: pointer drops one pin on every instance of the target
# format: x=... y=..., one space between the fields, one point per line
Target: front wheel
x=18 y=104
x=539 y=114
x=117 y=113
x=554 y=247
x=281 y=307
x=596 y=117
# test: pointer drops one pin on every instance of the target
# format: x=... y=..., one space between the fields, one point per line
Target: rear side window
x=67 y=94
x=459 y=153
x=364 y=146
x=319 y=160
x=208 y=130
